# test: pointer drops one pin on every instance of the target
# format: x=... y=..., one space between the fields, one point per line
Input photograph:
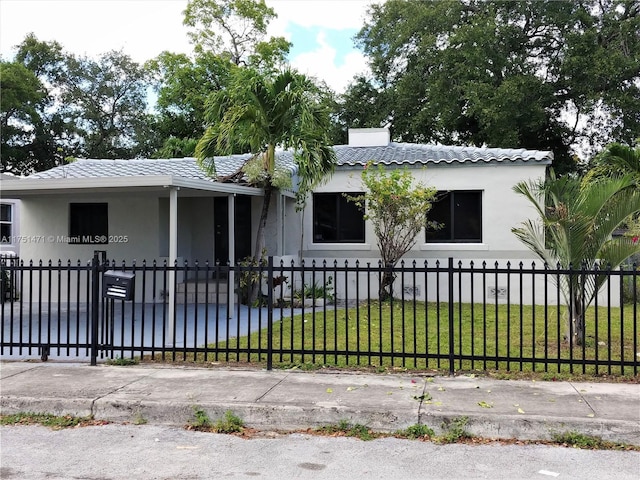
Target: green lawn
x=416 y=336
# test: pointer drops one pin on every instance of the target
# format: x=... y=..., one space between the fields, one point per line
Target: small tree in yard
x=398 y=210
x=575 y=231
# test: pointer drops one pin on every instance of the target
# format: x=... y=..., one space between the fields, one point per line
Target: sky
x=321 y=30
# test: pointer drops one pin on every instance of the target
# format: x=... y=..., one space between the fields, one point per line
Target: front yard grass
x=415 y=336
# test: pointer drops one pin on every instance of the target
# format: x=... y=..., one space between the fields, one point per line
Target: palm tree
x=618 y=159
x=258 y=113
x=575 y=231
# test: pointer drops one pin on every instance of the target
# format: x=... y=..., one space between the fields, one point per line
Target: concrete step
x=203 y=298
x=202 y=286
x=203 y=292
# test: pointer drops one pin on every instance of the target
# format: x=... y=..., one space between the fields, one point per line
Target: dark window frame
x=89 y=223
x=343 y=213
x=7 y=226
x=454 y=231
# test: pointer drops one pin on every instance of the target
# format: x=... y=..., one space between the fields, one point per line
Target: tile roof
x=411 y=153
x=394 y=153
x=178 y=167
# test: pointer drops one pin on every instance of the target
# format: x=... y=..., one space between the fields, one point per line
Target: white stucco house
x=170 y=210
x=477 y=205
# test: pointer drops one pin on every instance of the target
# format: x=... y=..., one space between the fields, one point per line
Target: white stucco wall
x=133 y=227
x=139 y=228
x=502 y=209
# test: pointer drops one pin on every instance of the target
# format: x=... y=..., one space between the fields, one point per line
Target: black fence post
x=451 y=319
x=95 y=307
x=269 y=314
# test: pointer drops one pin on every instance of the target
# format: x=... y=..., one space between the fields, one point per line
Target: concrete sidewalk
x=291 y=400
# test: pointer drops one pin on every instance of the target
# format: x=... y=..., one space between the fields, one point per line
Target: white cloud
x=141 y=28
x=329 y=15
x=144 y=28
x=321 y=63
x=335 y=14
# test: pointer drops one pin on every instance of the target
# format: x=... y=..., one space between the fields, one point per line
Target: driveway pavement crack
x=21 y=372
x=421 y=402
x=93 y=402
x=583 y=398
x=271 y=389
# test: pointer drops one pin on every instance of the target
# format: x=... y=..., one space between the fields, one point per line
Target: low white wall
x=527 y=286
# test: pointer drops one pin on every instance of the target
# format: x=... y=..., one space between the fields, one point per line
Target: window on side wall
x=337 y=220
x=6 y=223
x=459 y=214
x=88 y=223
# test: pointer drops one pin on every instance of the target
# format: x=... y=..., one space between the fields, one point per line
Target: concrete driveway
x=65 y=329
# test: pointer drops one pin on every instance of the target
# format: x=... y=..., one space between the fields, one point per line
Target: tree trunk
x=254 y=290
x=385 y=292
x=575 y=325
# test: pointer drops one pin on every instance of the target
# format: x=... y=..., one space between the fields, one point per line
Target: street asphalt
x=286 y=400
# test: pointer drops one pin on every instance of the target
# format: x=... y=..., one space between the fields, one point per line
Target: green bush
x=316 y=291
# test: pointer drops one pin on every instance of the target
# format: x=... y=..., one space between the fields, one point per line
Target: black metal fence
x=442 y=316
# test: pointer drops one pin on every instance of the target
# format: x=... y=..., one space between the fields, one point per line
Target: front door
x=242 y=232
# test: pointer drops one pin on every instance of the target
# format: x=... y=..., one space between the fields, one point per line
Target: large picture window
x=337 y=220
x=6 y=223
x=459 y=213
x=88 y=223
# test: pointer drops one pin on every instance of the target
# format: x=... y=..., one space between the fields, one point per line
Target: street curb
x=269 y=417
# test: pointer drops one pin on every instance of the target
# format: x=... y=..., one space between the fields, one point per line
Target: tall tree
x=22 y=94
x=93 y=108
x=259 y=113
x=535 y=74
x=107 y=101
x=183 y=85
x=235 y=29
x=34 y=133
x=575 y=227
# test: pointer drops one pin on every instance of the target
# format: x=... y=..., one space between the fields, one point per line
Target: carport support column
x=280 y=224
x=173 y=257
x=232 y=255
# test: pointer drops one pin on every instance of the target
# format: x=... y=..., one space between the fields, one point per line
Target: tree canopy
x=183 y=85
x=59 y=105
x=540 y=74
x=22 y=96
x=236 y=30
x=534 y=74
x=258 y=112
